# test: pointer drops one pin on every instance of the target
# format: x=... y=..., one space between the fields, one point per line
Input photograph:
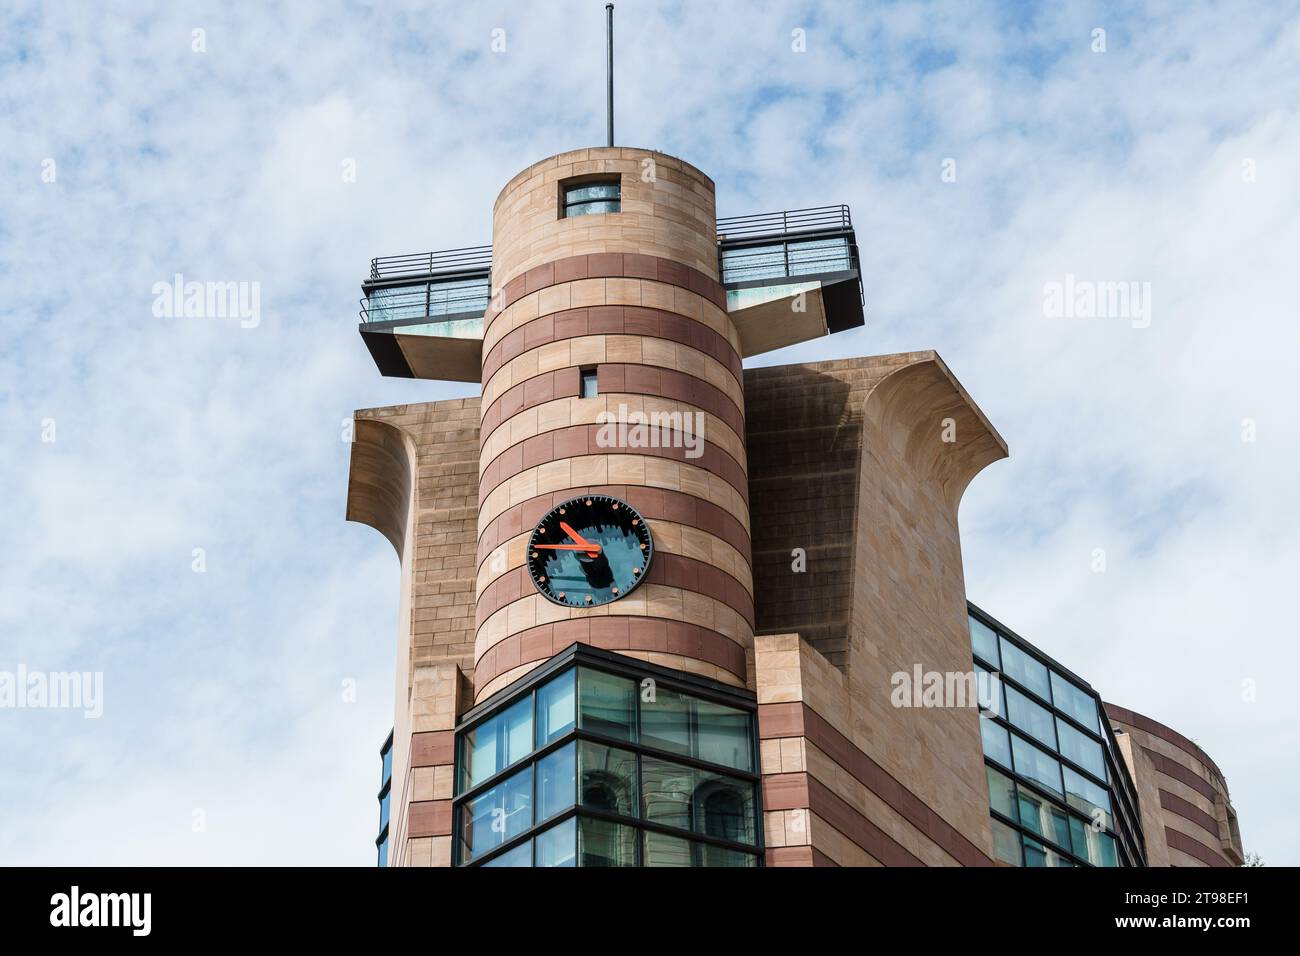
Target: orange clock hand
x=590 y=547
x=574 y=535
x=586 y=546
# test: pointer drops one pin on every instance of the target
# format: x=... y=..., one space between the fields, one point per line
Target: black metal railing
x=751 y=249
x=814 y=219
x=469 y=259
x=730 y=229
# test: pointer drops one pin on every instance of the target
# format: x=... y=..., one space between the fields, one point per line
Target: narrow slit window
x=585 y=199
x=588 y=387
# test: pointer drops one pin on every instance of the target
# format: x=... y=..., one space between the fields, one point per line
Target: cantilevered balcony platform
x=790 y=277
x=422 y=315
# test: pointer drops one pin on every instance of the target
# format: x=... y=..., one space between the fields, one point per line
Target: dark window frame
x=1126 y=825
x=584 y=656
x=1018 y=783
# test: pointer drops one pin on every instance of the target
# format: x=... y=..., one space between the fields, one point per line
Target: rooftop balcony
x=790 y=277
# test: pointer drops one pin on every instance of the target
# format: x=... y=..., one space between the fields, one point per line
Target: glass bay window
x=599 y=760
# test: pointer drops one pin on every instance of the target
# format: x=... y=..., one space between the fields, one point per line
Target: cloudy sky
x=244 y=703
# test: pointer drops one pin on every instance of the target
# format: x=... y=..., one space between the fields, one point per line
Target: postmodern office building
x=654 y=605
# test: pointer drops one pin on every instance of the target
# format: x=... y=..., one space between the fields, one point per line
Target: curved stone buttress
x=865 y=460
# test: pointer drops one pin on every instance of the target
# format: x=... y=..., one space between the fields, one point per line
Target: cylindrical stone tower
x=632 y=296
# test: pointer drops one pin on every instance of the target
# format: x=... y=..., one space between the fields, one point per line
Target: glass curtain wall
x=1058 y=793
x=597 y=765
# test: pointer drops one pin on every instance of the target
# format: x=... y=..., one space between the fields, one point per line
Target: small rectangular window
x=606 y=704
x=1088 y=798
x=607 y=779
x=1038 y=855
x=556 y=707
x=996 y=744
x=1006 y=843
x=984 y=642
x=1019 y=666
x=495 y=816
x=588 y=198
x=990 y=691
x=1002 y=792
x=1044 y=819
x=556 y=780
x=666 y=722
x=496 y=743
x=588 y=389
x=1082 y=749
x=1030 y=717
x=603 y=843
x=1035 y=764
x=1074 y=701
x=722 y=735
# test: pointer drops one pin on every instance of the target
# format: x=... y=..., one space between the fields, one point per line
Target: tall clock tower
x=590 y=546
x=608 y=307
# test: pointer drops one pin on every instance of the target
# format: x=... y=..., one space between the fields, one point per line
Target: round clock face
x=589 y=551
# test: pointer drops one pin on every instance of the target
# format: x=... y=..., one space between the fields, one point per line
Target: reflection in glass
x=607 y=779
x=606 y=704
x=1082 y=749
x=497 y=815
x=1035 y=720
x=1044 y=818
x=666 y=790
x=556 y=703
x=1035 y=764
x=1023 y=669
x=558 y=846
x=1074 y=701
x=1105 y=854
x=591 y=198
x=556 y=782
x=723 y=807
x=594 y=191
x=984 y=642
x=1084 y=795
x=1038 y=855
x=611 y=778
x=996 y=745
x=496 y=743
x=789 y=259
x=521 y=855
x=588 y=208
x=1006 y=843
x=708 y=855
x=1002 y=792
x=991 y=694
x=723 y=735
x=1094 y=845
x=663 y=850
x=601 y=843
x=666 y=721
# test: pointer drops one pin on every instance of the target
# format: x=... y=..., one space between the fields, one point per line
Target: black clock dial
x=589 y=551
